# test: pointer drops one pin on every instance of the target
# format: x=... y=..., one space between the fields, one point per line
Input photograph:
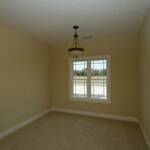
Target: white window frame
x=88 y=98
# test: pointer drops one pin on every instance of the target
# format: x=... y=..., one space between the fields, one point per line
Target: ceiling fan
x=87 y=37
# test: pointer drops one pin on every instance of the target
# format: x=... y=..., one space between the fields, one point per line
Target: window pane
x=99 y=79
x=80 y=78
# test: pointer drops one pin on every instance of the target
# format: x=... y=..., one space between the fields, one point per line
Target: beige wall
x=24 y=77
x=145 y=75
x=123 y=50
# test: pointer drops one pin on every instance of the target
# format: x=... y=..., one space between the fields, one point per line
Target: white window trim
x=87 y=99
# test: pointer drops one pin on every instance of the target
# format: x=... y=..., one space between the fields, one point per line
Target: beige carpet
x=59 y=131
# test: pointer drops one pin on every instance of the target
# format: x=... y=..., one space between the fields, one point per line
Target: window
x=90 y=79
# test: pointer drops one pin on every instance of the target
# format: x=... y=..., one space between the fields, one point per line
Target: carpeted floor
x=60 y=131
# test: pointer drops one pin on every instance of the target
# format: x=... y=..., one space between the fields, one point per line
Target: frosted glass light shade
x=76 y=52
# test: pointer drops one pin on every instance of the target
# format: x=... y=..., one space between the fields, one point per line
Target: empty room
x=74 y=75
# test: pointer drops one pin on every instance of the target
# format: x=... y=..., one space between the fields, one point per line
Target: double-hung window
x=90 y=79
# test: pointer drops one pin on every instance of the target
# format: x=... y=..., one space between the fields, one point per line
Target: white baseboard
x=22 y=124
x=100 y=115
x=144 y=134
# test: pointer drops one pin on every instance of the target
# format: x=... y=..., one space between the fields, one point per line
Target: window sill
x=91 y=100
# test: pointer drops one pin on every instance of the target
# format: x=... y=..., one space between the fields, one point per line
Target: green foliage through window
x=94 y=72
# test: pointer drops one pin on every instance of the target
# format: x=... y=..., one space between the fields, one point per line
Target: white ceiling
x=52 y=20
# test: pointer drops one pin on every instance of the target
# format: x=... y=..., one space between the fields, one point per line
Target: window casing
x=90 y=79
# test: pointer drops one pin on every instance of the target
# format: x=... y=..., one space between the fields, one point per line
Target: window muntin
x=90 y=79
